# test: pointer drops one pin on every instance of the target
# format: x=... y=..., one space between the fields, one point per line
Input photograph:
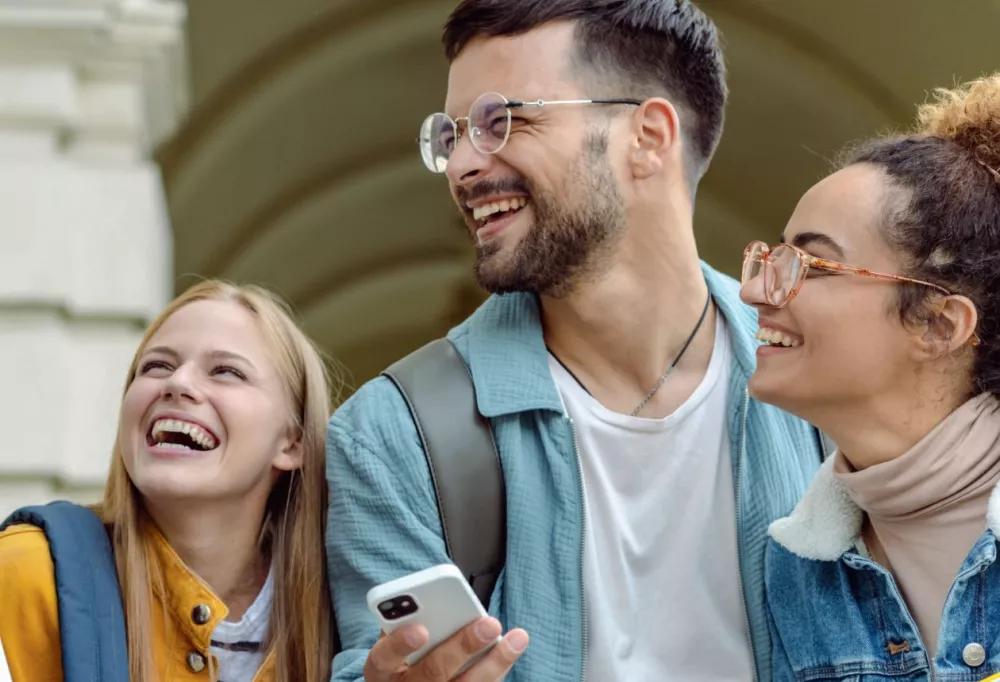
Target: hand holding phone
x=438 y=598
x=436 y=630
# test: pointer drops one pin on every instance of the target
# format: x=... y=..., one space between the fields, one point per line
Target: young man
x=611 y=363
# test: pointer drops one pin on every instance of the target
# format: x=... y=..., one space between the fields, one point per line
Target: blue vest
x=91 y=617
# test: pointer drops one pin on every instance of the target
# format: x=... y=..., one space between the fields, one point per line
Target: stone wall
x=88 y=88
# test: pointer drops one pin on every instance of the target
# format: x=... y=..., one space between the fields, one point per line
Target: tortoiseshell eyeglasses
x=785 y=268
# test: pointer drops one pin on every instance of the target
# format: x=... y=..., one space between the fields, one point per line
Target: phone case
x=440 y=597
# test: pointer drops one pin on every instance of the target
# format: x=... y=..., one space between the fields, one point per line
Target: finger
x=499 y=661
x=441 y=664
x=388 y=656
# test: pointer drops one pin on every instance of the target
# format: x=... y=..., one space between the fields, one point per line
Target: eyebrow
x=220 y=354
x=806 y=239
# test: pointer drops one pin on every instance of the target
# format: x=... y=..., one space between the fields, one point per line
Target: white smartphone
x=438 y=598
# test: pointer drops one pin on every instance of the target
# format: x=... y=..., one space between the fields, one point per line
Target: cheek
x=852 y=352
x=858 y=340
x=137 y=401
x=524 y=158
x=252 y=422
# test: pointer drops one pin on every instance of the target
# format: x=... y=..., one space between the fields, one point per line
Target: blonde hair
x=301 y=622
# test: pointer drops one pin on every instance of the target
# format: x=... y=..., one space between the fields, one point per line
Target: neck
x=620 y=332
x=220 y=544
x=870 y=432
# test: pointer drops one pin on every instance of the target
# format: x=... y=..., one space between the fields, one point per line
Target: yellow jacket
x=29 y=617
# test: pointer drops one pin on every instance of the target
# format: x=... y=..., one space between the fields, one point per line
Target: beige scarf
x=926 y=509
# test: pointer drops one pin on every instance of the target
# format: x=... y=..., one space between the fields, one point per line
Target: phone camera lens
x=394 y=609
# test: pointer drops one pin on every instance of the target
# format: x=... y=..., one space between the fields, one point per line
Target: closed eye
x=232 y=371
x=150 y=365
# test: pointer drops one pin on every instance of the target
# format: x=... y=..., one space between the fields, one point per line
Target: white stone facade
x=87 y=89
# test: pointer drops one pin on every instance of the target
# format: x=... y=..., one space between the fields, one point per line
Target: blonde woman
x=214 y=511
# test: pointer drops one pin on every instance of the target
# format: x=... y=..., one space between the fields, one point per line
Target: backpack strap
x=91 y=618
x=463 y=459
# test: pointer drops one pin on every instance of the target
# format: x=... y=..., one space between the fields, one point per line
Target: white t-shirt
x=239 y=646
x=661 y=573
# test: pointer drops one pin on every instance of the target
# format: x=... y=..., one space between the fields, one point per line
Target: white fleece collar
x=826 y=522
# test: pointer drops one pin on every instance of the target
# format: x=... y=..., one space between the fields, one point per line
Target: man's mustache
x=488 y=188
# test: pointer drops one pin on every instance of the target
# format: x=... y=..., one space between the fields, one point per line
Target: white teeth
x=502 y=206
x=173 y=446
x=777 y=338
x=195 y=432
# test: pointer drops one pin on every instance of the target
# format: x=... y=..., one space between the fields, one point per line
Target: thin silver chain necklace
x=659 y=383
x=694 y=332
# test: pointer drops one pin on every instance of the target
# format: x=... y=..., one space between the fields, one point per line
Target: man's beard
x=566 y=245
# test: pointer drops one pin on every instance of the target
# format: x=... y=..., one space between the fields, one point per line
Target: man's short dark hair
x=644 y=48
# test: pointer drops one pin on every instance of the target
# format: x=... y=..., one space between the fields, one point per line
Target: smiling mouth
x=489 y=213
x=176 y=434
x=773 y=337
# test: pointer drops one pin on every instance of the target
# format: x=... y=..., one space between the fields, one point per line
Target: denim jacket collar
x=510 y=326
x=826 y=522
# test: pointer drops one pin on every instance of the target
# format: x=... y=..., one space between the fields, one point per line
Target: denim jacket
x=383 y=519
x=837 y=615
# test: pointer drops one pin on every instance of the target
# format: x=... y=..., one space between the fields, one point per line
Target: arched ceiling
x=297 y=166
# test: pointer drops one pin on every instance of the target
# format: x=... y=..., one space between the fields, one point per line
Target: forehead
x=529 y=66
x=846 y=206
x=205 y=326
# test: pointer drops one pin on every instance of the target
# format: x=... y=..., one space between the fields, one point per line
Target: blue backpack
x=91 y=617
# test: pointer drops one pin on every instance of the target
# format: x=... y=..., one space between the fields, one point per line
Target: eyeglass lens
x=488 y=126
x=781 y=266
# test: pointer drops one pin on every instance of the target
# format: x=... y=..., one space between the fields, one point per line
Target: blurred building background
x=145 y=143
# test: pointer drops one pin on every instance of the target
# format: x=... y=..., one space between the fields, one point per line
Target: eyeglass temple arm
x=542 y=102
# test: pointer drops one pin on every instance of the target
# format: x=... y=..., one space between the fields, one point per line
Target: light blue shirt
x=383 y=519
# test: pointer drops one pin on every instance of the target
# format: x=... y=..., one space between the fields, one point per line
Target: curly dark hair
x=942 y=213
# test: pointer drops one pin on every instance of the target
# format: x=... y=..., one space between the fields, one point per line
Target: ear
x=657 y=137
x=291 y=455
x=950 y=326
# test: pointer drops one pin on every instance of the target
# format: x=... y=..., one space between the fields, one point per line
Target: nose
x=182 y=384
x=466 y=163
x=752 y=292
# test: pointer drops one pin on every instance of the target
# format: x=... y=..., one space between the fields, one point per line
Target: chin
x=794 y=397
x=773 y=390
x=174 y=486
x=170 y=480
x=495 y=273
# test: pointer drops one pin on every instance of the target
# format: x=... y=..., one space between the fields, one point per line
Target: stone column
x=88 y=88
